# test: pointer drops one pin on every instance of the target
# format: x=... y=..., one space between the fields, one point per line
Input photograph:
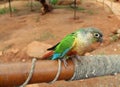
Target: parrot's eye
x=97 y=35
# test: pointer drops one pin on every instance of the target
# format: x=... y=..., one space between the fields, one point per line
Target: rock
x=115 y=49
x=37 y=49
x=23 y=60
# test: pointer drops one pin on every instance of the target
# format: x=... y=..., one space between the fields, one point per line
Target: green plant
x=33 y=4
x=68 y=7
x=2 y=11
x=6 y=10
x=114 y=38
x=61 y=7
x=80 y=9
x=90 y=12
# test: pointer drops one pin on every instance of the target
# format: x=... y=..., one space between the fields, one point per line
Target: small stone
x=23 y=60
x=118 y=35
x=115 y=49
x=1 y=53
x=115 y=74
x=109 y=16
x=87 y=54
x=118 y=31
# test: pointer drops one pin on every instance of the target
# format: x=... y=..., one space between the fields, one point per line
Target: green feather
x=66 y=43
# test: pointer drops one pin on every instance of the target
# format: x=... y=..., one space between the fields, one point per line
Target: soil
x=25 y=27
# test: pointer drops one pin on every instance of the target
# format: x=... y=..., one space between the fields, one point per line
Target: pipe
x=14 y=74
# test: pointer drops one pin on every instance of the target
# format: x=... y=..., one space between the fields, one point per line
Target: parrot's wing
x=64 y=46
x=53 y=48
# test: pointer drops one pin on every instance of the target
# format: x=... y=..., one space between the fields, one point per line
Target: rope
x=58 y=73
x=30 y=73
x=75 y=70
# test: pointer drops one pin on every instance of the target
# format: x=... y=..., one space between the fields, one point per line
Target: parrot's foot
x=77 y=57
x=65 y=62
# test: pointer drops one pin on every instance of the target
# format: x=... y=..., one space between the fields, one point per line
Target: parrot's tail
x=48 y=55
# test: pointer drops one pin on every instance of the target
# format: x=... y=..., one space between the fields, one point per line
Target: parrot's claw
x=77 y=57
x=65 y=62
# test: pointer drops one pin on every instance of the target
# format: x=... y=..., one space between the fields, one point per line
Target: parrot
x=75 y=43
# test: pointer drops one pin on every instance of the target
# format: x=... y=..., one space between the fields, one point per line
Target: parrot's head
x=91 y=34
x=92 y=37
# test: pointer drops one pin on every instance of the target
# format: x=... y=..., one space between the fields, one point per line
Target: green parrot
x=76 y=43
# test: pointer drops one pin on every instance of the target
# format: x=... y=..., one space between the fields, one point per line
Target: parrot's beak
x=101 y=40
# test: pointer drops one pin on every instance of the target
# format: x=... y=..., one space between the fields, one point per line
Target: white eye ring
x=96 y=35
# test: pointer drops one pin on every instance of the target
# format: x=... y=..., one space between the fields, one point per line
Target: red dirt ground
x=25 y=26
